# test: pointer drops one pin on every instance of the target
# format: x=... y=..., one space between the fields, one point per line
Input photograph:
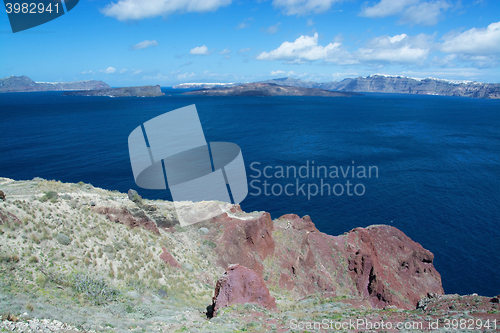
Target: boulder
x=134 y=196
x=240 y=285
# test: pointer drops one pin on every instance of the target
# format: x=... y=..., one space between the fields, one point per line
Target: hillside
x=73 y=256
x=25 y=84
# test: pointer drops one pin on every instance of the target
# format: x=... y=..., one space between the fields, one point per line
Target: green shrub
x=209 y=244
x=94 y=288
x=49 y=196
x=40 y=281
x=9 y=258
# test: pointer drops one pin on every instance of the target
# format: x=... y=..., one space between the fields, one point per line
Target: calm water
x=438 y=161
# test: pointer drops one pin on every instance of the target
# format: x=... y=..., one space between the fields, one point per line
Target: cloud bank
x=125 y=10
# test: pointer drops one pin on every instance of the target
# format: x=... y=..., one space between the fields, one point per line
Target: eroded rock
x=247 y=242
x=240 y=285
x=169 y=258
x=124 y=216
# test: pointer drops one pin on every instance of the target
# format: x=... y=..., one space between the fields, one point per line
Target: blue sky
x=166 y=42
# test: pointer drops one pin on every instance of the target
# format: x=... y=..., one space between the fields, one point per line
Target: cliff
x=402 y=85
x=111 y=262
x=144 y=91
x=25 y=84
x=266 y=89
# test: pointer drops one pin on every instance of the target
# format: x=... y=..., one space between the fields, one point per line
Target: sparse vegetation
x=66 y=259
x=49 y=196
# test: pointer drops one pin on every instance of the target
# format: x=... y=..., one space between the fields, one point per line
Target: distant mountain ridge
x=144 y=91
x=25 y=84
x=203 y=85
x=267 y=89
x=401 y=85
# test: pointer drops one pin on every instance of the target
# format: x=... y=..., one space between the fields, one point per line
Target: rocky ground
x=75 y=258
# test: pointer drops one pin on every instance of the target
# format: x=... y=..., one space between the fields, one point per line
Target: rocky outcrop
x=144 y=91
x=240 y=285
x=266 y=89
x=389 y=268
x=245 y=241
x=378 y=263
x=25 y=84
x=168 y=258
x=125 y=217
x=8 y=218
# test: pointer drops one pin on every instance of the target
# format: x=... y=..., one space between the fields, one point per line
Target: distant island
x=204 y=85
x=25 y=84
x=379 y=83
x=144 y=91
x=267 y=89
x=402 y=85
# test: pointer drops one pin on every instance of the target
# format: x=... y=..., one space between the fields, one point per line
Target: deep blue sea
x=438 y=161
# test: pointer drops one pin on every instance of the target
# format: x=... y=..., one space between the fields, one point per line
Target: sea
x=427 y=165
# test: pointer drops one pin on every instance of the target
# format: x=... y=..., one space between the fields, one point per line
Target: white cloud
x=303 y=7
x=386 y=8
x=109 y=70
x=411 y=11
x=137 y=71
x=244 y=50
x=139 y=9
x=278 y=72
x=425 y=13
x=272 y=29
x=245 y=24
x=185 y=75
x=87 y=72
x=157 y=77
x=306 y=48
x=485 y=41
x=282 y=73
x=199 y=50
x=225 y=51
x=144 y=45
x=446 y=61
x=399 y=49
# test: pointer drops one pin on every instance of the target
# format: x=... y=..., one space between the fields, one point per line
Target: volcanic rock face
x=378 y=263
x=240 y=285
x=247 y=242
x=389 y=268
